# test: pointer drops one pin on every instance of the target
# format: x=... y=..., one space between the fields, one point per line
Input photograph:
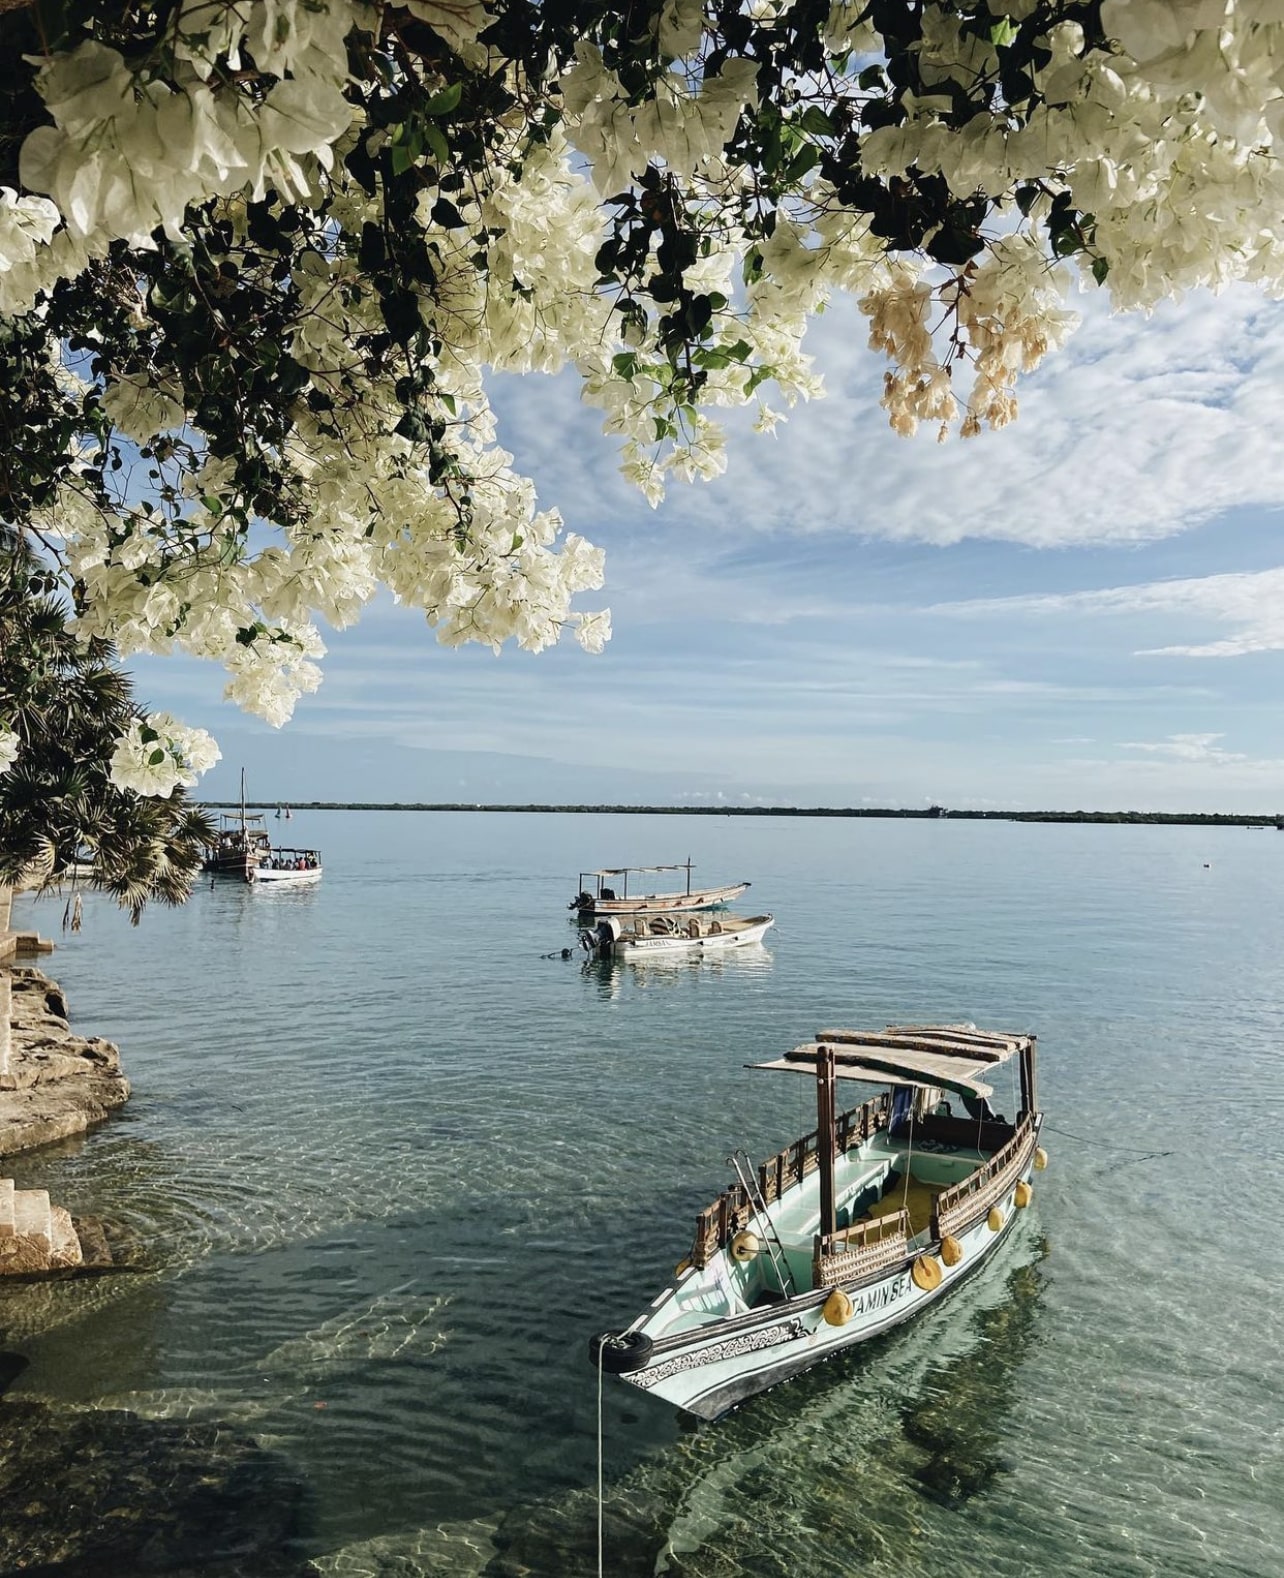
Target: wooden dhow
x=660 y=936
x=240 y=844
x=850 y=1230
x=606 y=892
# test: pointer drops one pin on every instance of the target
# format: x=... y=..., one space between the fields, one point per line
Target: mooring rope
x=600 y=1567
x=1135 y=1150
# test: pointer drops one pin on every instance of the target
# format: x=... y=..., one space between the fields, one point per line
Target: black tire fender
x=620 y=1352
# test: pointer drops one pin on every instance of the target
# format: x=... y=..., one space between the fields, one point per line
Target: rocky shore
x=52 y=1082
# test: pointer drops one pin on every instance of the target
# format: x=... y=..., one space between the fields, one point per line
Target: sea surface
x=391 y=1160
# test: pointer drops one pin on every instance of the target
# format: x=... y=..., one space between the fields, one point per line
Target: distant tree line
x=931 y=813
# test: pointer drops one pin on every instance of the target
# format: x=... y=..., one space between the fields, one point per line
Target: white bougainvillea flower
x=9 y=744
x=158 y=753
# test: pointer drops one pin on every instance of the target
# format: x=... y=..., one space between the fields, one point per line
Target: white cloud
x=1137 y=430
x=1189 y=748
x=1253 y=601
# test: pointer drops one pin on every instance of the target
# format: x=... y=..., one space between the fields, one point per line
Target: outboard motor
x=600 y=943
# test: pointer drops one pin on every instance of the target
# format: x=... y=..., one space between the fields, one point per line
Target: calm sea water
x=387 y=1156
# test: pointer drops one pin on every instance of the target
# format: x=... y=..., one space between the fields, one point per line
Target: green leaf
x=816 y=123
x=1003 y=32
x=1100 y=268
x=156 y=758
x=807 y=157
x=445 y=213
x=442 y=103
x=438 y=144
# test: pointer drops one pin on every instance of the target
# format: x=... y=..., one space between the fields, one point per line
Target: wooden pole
x=825 y=1138
x=1031 y=1086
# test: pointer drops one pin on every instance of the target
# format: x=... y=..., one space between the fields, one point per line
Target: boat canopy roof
x=953 y=1057
x=624 y=871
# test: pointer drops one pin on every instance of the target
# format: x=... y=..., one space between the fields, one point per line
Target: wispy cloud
x=1254 y=601
x=1139 y=429
x=1188 y=748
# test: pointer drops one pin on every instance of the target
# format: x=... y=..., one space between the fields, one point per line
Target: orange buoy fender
x=1022 y=1195
x=926 y=1272
x=995 y=1219
x=838 y=1308
x=1040 y=1158
x=682 y=1267
x=745 y=1246
x=951 y=1250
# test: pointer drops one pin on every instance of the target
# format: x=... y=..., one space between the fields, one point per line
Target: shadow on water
x=103 y=1493
x=828 y=1474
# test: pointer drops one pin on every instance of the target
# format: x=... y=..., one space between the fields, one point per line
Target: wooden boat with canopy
x=606 y=892
x=240 y=843
x=853 y=1228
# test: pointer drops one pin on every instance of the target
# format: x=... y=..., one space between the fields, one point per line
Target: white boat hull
x=710 y=1369
x=650 y=947
x=265 y=877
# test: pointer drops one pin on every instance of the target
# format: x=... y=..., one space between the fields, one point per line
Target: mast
x=242 y=800
x=688 y=876
x=825 y=1138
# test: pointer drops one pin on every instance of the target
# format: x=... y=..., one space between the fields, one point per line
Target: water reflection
x=611 y=976
x=834 y=1472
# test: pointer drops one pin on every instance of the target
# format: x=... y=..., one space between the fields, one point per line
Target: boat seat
x=920 y=1202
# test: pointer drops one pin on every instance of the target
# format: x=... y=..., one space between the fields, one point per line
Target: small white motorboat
x=287 y=868
x=649 y=936
x=854 y=1228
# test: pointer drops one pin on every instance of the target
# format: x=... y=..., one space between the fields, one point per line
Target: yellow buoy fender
x=926 y=1272
x=951 y=1250
x=1040 y=1158
x=745 y=1246
x=995 y=1219
x=1022 y=1195
x=682 y=1267
x=838 y=1308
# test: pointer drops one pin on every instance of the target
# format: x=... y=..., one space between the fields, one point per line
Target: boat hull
x=265 y=877
x=665 y=903
x=679 y=943
x=710 y=1369
x=241 y=867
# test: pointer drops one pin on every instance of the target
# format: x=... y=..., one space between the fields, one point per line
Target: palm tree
x=69 y=703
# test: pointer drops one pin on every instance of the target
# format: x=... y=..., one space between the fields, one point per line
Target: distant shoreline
x=933 y=814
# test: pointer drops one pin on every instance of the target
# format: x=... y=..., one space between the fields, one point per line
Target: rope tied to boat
x=1133 y=1150
x=600 y=1567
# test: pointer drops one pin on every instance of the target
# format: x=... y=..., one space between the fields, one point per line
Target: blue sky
x=1084 y=610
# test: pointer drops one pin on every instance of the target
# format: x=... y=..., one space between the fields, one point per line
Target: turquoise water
x=390 y=1165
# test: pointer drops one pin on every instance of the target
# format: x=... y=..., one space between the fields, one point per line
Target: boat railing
x=962 y=1203
x=732 y=1210
x=860 y=1249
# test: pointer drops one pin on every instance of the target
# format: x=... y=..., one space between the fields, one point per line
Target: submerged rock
x=103 y=1492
